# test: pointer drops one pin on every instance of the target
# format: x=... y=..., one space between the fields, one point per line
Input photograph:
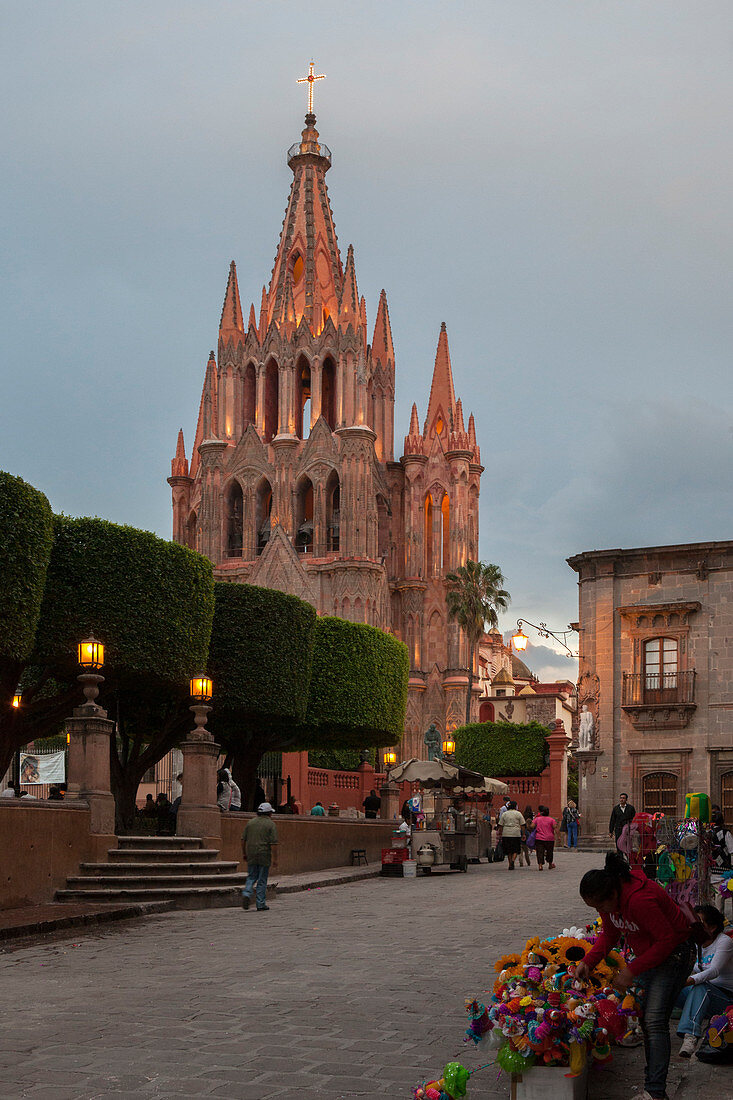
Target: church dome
x=503 y=677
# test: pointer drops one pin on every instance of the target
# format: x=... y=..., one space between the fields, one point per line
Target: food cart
x=450 y=831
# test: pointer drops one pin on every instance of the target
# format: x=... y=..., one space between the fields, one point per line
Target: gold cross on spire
x=310 y=80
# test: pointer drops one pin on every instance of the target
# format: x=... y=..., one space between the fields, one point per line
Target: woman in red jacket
x=659 y=934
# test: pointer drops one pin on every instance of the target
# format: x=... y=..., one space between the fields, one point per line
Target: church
x=292 y=481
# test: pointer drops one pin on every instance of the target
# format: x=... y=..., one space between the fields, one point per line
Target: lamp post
x=88 y=735
x=389 y=792
x=449 y=749
x=389 y=759
x=198 y=814
x=520 y=639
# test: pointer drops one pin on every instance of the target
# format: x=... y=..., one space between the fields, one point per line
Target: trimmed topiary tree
x=260 y=661
x=26 y=536
x=502 y=748
x=151 y=602
x=358 y=688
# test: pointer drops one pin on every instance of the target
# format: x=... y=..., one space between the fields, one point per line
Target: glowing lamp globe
x=91 y=654
x=200 y=689
x=16 y=698
x=520 y=639
x=449 y=746
x=390 y=759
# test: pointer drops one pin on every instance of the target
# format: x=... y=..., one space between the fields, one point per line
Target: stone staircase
x=595 y=843
x=176 y=869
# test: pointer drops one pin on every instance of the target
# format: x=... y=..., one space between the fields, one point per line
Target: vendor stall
x=450 y=829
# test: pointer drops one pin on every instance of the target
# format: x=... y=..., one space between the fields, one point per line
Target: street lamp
x=90 y=654
x=449 y=746
x=520 y=638
x=17 y=698
x=201 y=690
x=389 y=759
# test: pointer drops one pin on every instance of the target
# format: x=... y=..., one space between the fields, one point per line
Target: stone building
x=292 y=481
x=655 y=677
x=509 y=692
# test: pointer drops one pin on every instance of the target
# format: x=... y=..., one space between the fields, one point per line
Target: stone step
x=199 y=897
x=160 y=842
x=165 y=854
x=595 y=844
x=158 y=867
x=154 y=880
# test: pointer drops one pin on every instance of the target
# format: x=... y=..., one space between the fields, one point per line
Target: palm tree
x=475 y=594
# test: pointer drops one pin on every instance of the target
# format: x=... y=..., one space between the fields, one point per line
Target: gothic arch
x=444 y=548
x=262 y=512
x=328 y=392
x=191 y=533
x=303 y=526
x=383 y=532
x=233 y=519
x=333 y=513
x=249 y=394
x=435 y=640
x=302 y=397
x=428 y=535
x=272 y=400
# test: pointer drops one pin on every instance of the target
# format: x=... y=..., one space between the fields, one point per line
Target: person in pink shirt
x=545 y=834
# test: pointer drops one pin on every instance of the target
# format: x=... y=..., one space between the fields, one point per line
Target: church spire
x=307 y=252
x=231 y=325
x=442 y=395
x=179 y=464
x=382 y=346
x=349 y=309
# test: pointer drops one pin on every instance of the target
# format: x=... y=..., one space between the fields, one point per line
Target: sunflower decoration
x=532 y=947
x=508 y=967
x=570 y=950
x=506 y=962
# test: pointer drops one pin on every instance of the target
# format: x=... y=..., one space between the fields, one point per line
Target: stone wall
x=311 y=843
x=42 y=843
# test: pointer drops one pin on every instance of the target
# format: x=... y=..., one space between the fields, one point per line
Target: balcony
x=659 y=701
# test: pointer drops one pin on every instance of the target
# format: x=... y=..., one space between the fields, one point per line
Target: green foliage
x=339 y=760
x=502 y=748
x=151 y=602
x=474 y=595
x=260 y=657
x=358 y=689
x=26 y=532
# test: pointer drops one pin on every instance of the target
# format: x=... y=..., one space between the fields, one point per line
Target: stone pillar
x=366 y=775
x=89 y=732
x=558 y=742
x=390 y=795
x=198 y=813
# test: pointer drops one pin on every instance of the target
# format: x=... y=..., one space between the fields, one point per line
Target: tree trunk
x=245 y=762
x=469 y=692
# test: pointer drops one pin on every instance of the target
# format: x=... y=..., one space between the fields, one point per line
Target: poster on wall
x=42 y=768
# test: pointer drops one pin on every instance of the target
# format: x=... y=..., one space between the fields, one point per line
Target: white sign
x=39 y=767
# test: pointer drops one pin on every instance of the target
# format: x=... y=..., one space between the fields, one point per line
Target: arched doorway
x=486 y=712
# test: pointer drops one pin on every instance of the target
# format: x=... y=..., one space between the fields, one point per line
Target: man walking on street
x=621 y=815
x=259 y=849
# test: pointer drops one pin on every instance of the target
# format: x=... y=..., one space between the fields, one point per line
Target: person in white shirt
x=711 y=980
x=9 y=791
x=512 y=831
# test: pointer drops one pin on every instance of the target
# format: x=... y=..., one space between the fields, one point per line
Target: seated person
x=711 y=981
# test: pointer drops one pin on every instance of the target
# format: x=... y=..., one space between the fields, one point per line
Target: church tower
x=292 y=482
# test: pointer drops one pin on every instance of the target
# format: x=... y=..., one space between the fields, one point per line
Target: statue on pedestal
x=586 y=731
x=432 y=740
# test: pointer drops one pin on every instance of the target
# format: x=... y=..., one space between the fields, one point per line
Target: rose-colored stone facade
x=292 y=482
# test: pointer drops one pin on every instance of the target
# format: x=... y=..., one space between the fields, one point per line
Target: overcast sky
x=553 y=180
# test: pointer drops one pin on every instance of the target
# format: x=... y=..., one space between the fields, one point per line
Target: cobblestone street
x=349 y=991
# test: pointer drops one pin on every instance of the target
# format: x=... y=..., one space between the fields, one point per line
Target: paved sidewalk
x=333 y=993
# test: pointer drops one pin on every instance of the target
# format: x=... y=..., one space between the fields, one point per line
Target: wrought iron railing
x=314 y=148
x=650 y=688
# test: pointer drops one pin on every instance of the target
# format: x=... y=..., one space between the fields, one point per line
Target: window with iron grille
x=659 y=793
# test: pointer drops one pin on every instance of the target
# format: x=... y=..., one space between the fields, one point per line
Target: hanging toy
x=511 y=1061
x=479 y=1023
x=665 y=867
x=455 y=1079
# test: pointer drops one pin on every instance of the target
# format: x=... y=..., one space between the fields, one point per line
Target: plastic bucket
x=409 y=868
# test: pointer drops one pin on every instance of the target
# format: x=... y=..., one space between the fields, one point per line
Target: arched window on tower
x=383 y=515
x=272 y=401
x=428 y=536
x=234 y=513
x=191 y=531
x=445 y=534
x=249 y=395
x=263 y=509
x=304 y=516
x=328 y=393
x=435 y=637
x=333 y=513
x=303 y=399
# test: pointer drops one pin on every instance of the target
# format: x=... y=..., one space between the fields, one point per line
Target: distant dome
x=527 y=690
x=502 y=677
x=520 y=670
